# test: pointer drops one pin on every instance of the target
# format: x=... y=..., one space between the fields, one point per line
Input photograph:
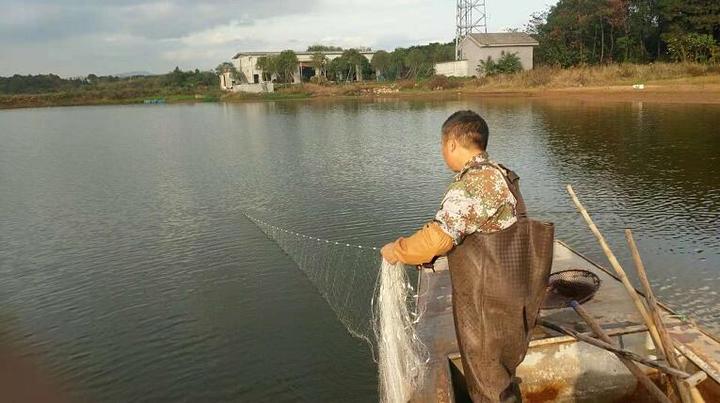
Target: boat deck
x=556 y=368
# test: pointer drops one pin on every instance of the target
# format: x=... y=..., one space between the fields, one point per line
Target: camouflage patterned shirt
x=477 y=200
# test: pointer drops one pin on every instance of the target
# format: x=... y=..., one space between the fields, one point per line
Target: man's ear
x=452 y=144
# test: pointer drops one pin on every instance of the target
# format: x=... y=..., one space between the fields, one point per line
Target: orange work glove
x=422 y=246
x=388 y=253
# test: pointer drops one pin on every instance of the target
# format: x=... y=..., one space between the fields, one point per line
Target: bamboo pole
x=631 y=366
x=667 y=341
x=620 y=272
x=700 y=362
x=695 y=379
x=609 y=347
x=696 y=396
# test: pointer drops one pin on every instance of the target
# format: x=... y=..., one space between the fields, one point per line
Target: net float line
x=260 y=222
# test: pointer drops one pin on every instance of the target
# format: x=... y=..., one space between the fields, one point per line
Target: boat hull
x=557 y=367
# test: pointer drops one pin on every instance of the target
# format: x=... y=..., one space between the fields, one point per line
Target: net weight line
x=344 y=274
x=348 y=276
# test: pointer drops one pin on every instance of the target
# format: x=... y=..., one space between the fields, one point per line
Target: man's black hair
x=468 y=128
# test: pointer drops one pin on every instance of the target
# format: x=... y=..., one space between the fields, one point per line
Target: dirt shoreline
x=685 y=94
x=679 y=92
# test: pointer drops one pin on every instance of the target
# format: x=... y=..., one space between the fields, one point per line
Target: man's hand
x=388 y=253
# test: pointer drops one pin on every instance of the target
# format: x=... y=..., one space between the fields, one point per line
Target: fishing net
x=378 y=306
x=402 y=356
x=568 y=285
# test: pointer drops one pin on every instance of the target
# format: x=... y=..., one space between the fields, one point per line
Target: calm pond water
x=126 y=262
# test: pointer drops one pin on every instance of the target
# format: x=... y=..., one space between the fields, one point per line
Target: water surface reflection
x=126 y=260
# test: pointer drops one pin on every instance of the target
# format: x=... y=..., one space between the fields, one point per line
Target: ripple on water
x=131 y=268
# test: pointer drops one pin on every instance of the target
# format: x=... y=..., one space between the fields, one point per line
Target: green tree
x=111 y=87
x=338 y=69
x=599 y=31
x=690 y=16
x=692 y=47
x=397 y=69
x=355 y=58
x=268 y=66
x=324 y=48
x=414 y=60
x=287 y=64
x=380 y=62
x=42 y=83
x=225 y=67
x=319 y=61
x=175 y=78
x=439 y=52
x=508 y=63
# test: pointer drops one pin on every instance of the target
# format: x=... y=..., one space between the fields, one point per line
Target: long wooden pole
x=665 y=339
x=619 y=271
x=701 y=363
x=631 y=366
x=609 y=347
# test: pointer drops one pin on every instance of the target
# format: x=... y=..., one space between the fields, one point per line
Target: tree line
x=415 y=62
x=175 y=81
x=574 y=32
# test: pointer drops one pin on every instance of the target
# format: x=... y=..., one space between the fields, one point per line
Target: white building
x=226 y=81
x=235 y=84
x=246 y=64
x=476 y=47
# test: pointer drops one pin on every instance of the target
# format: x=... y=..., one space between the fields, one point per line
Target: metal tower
x=471 y=18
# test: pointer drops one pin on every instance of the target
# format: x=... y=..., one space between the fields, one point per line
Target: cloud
x=36 y=20
x=77 y=37
x=74 y=37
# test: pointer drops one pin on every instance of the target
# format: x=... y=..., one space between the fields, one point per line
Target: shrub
x=626 y=70
x=508 y=63
x=320 y=80
x=406 y=84
x=291 y=89
x=351 y=91
x=477 y=82
x=540 y=76
x=441 y=82
x=692 y=47
x=696 y=70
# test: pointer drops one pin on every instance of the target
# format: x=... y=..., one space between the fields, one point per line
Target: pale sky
x=76 y=37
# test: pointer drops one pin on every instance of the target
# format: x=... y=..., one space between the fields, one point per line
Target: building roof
x=326 y=53
x=504 y=39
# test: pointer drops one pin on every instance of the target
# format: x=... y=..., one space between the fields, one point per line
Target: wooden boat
x=558 y=367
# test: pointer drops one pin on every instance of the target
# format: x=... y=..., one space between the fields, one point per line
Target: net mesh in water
x=344 y=274
x=568 y=285
x=376 y=306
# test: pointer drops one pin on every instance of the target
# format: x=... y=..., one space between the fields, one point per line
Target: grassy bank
x=663 y=82
x=76 y=99
x=605 y=75
x=538 y=79
x=50 y=90
x=691 y=82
